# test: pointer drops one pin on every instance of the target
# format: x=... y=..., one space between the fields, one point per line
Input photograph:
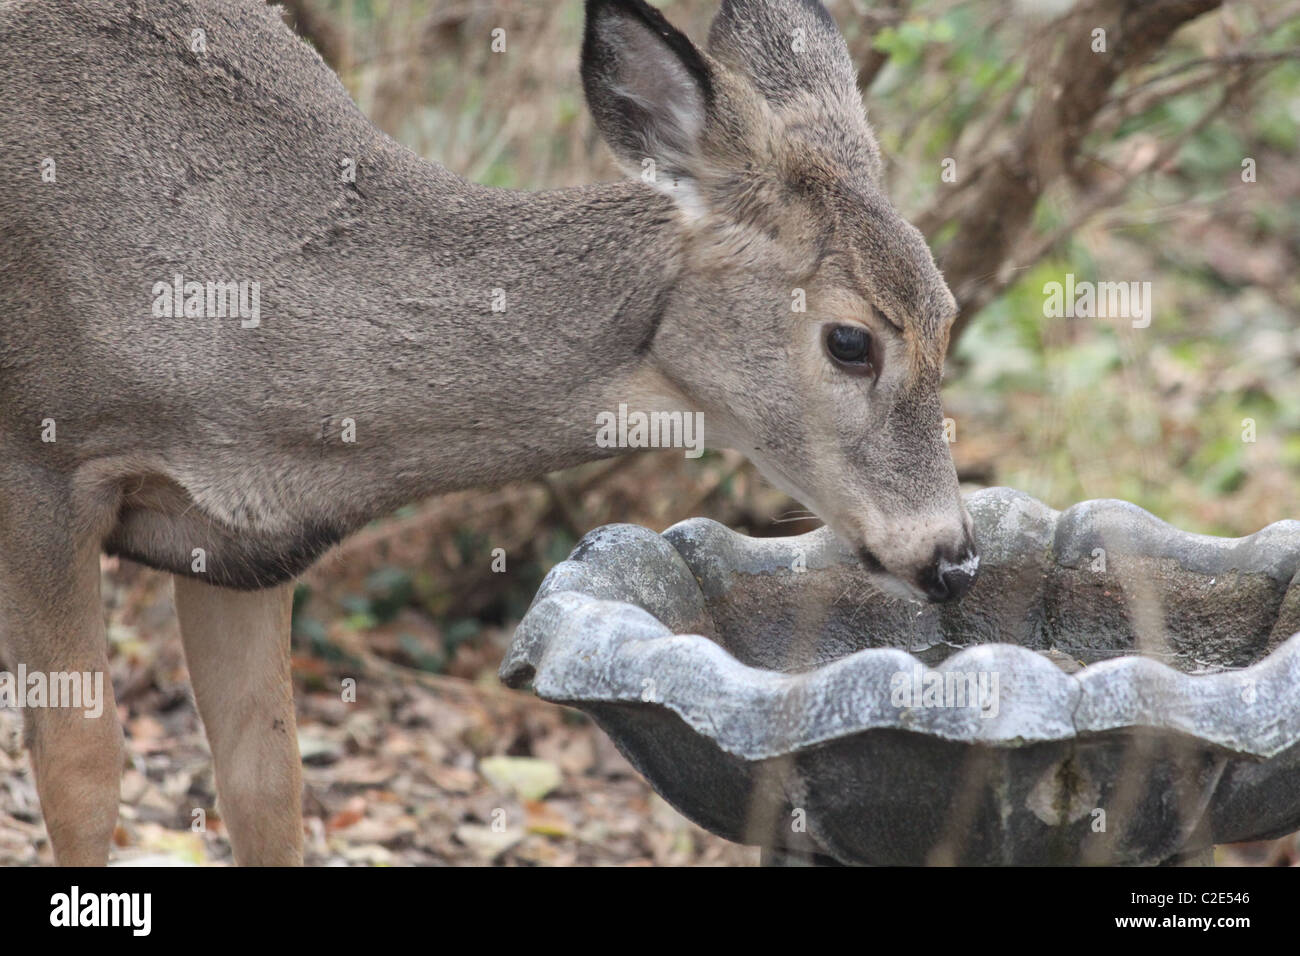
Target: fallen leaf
x=353 y=812
x=486 y=842
x=527 y=777
x=543 y=820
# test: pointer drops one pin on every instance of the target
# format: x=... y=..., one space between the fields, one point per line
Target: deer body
x=436 y=408
x=416 y=333
x=376 y=300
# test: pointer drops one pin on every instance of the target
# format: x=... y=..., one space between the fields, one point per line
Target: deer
x=468 y=336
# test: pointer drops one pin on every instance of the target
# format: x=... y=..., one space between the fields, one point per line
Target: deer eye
x=850 y=347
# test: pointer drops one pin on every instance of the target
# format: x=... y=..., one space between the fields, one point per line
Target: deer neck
x=494 y=328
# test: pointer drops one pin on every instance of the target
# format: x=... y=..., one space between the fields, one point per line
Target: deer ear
x=649 y=90
x=794 y=55
x=785 y=47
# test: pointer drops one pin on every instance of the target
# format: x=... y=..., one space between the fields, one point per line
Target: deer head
x=808 y=320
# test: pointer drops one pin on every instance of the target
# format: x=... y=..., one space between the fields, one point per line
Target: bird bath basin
x=1111 y=691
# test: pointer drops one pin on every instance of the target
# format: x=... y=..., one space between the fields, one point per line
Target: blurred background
x=1171 y=158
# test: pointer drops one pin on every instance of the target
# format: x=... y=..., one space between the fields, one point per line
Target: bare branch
x=1074 y=86
x=875 y=18
x=313 y=24
x=1035 y=249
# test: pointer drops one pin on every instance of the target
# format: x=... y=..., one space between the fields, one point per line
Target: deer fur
x=181 y=435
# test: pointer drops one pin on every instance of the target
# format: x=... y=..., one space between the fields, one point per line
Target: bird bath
x=1111 y=691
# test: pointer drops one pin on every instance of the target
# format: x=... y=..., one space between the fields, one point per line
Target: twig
x=1109 y=195
x=443 y=683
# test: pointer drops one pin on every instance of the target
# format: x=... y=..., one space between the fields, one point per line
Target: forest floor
x=421 y=769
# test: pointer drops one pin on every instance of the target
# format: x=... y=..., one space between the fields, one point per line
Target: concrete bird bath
x=1111 y=691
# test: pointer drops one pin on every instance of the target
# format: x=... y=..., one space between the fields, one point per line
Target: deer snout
x=927 y=557
x=951 y=572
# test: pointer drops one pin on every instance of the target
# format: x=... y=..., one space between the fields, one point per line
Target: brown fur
x=183 y=434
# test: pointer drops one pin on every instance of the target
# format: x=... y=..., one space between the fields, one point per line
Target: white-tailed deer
x=237 y=322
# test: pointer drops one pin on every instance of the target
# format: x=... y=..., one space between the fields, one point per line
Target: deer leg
x=237 y=649
x=52 y=625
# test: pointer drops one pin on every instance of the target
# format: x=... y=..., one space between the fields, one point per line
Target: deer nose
x=950 y=574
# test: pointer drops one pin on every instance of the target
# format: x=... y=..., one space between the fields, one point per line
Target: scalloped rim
x=578 y=648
